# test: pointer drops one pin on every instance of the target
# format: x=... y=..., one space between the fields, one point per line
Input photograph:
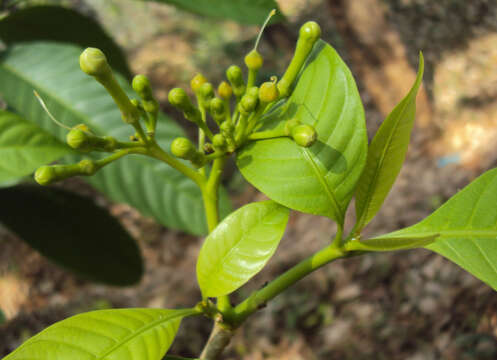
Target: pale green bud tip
x=234 y=75
x=141 y=84
x=310 y=31
x=268 y=92
x=253 y=91
x=206 y=90
x=178 y=97
x=87 y=167
x=224 y=90
x=45 y=175
x=217 y=106
x=304 y=135
x=93 y=62
x=77 y=139
x=183 y=148
x=254 y=60
x=248 y=103
x=197 y=81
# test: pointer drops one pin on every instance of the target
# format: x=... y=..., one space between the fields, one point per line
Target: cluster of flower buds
x=235 y=118
x=250 y=102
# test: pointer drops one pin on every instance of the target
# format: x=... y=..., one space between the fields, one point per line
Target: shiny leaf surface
x=239 y=247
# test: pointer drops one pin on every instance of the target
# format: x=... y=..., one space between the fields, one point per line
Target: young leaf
x=389 y=244
x=467 y=228
x=320 y=179
x=57 y=23
x=239 y=247
x=124 y=334
x=24 y=147
x=72 y=231
x=250 y=12
x=386 y=155
x=73 y=97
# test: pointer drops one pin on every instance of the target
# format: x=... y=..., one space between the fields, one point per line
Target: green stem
x=155 y=151
x=281 y=283
x=267 y=134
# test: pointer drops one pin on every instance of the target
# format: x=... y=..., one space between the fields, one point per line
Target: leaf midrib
x=180 y=313
x=448 y=233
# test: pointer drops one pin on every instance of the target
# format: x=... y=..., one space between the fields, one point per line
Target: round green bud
x=227 y=127
x=93 y=62
x=219 y=142
x=304 y=135
x=254 y=60
x=290 y=124
x=248 y=103
x=224 y=90
x=235 y=75
x=197 y=81
x=183 y=148
x=207 y=90
x=268 y=92
x=179 y=98
x=310 y=31
x=141 y=85
x=87 y=167
x=78 y=139
x=217 y=107
x=45 y=175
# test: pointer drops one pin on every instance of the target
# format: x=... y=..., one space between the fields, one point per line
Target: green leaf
x=389 y=244
x=72 y=231
x=120 y=334
x=386 y=155
x=467 y=225
x=3 y=318
x=56 y=23
x=24 y=147
x=321 y=179
x=239 y=247
x=251 y=12
x=154 y=188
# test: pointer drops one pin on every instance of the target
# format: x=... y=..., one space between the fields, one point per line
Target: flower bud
x=206 y=93
x=268 y=92
x=85 y=141
x=304 y=135
x=178 y=98
x=224 y=90
x=183 y=148
x=45 y=175
x=253 y=91
x=310 y=31
x=254 y=60
x=197 y=81
x=290 y=124
x=87 y=167
x=248 y=104
x=235 y=77
x=93 y=62
x=217 y=110
x=219 y=142
x=141 y=85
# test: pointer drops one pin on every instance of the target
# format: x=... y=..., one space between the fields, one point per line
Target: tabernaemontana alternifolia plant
x=301 y=140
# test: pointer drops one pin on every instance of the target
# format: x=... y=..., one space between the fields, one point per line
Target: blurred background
x=411 y=305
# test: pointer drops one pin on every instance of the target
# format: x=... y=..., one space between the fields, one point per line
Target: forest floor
x=411 y=305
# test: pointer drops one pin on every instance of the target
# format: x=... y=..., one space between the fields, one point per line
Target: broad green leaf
x=119 y=334
x=321 y=179
x=56 y=23
x=72 y=231
x=467 y=225
x=251 y=12
x=24 y=147
x=152 y=187
x=389 y=244
x=386 y=155
x=239 y=247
